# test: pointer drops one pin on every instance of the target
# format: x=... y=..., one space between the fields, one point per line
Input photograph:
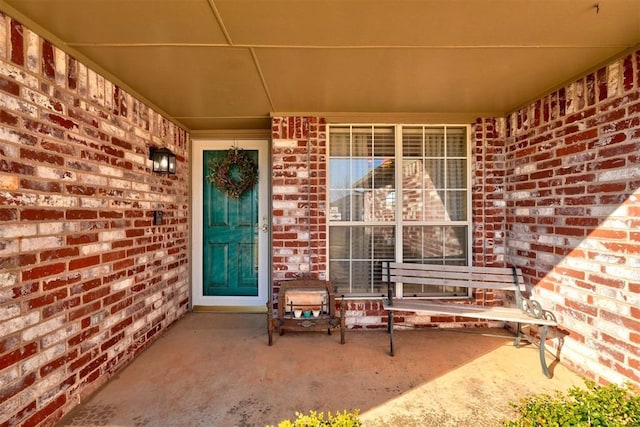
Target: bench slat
x=505 y=314
x=448 y=275
x=446 y=281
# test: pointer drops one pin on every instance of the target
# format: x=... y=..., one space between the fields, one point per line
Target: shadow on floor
x=216 y=369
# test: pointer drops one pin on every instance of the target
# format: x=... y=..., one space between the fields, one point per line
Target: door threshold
x=230 y=308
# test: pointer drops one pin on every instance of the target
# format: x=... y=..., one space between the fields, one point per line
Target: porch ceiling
x=227 y=64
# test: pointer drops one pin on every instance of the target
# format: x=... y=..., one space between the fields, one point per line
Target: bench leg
x=390 y=328
x=518 y=335
x=541 y=348
x=343 y=321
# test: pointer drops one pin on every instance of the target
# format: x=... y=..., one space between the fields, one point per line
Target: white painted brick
x=92 y=179
x=57 y=201
x=549 y=239
x=55 y=174
x=93 y=202
x=42 y=357
x=60 y=335
x=10 y=374
x=3 y=42
x=18 y=230
x=95 y=248
x=43 y=328
x=119 y=183
x=285 y=143
x=16 y=73
x=8 y=280
x=583 y=265
x=32 y=244
x=14 y=325
x=14 y=104
x=141 y=186
x=110 y=171
x=9 y=247
x=33 y=50
x=614 y=329
x=9 y=311
x=619 y=175
x=108 y=236
x=622 y=272
x=60 y=66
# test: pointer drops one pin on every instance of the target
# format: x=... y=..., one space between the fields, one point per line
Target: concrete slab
x=216 y=369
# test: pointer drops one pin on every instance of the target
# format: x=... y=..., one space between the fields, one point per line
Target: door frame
x=200 y=301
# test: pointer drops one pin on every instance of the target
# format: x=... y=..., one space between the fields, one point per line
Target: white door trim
x=198 y=172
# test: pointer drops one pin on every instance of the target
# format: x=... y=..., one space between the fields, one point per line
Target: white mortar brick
x=60 y=335
x=583 y=265
x=285 y=143
x=137 y=159
x=622 y=272
x=119 y=183
x=9 y=311
x=33 y=50
x=619 y=175
x=16 y=73
x=613 y=306
x=9 y=375
x=614 y=329
x=8 y=280
x=14 y=104
x=92 y=273
x=108 y=236
x=141 y=186
x=3 y=40
x=95 y=248
x=18 y=230
x=613 y=79
x=42 y=357
x=14 y=325
x=284 y=204
x=93 y=202
x=43 y=328
x=57 y=201
x=60 y=64
x=55 y=174
x=92 y=179
x=10 y=247
x=110 y=171
x=38 y=243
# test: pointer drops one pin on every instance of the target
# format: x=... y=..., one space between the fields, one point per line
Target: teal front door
x=230 y=258
x=230 y=235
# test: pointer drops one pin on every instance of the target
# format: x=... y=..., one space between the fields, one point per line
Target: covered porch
x=442 y=377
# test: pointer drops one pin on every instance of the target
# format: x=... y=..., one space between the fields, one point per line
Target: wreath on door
x=234 y=173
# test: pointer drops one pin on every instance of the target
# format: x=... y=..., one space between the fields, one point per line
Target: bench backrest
x=452 y=275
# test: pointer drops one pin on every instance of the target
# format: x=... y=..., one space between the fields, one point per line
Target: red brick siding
x=299 y=183
x=573 y=208
x=86 y=280
x=300 y=224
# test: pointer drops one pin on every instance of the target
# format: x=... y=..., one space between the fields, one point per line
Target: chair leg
x=270 y=322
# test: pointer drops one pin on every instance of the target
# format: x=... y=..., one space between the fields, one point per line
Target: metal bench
x=528 y=311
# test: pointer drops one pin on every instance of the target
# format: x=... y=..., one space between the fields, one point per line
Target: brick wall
x=573 y=213
x=299 y=183
x=86 y=280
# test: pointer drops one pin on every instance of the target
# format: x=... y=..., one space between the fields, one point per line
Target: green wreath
x=233 y=174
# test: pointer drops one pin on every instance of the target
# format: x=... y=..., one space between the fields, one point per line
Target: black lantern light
x=164 y=161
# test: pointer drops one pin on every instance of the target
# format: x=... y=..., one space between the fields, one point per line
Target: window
x=377 y=213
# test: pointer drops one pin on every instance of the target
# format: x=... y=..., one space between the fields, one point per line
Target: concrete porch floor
x=216 y=369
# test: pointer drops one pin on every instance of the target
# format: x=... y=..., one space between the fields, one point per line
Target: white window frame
x=399 y=222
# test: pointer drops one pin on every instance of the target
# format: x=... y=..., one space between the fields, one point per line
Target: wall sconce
x=164 y=161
